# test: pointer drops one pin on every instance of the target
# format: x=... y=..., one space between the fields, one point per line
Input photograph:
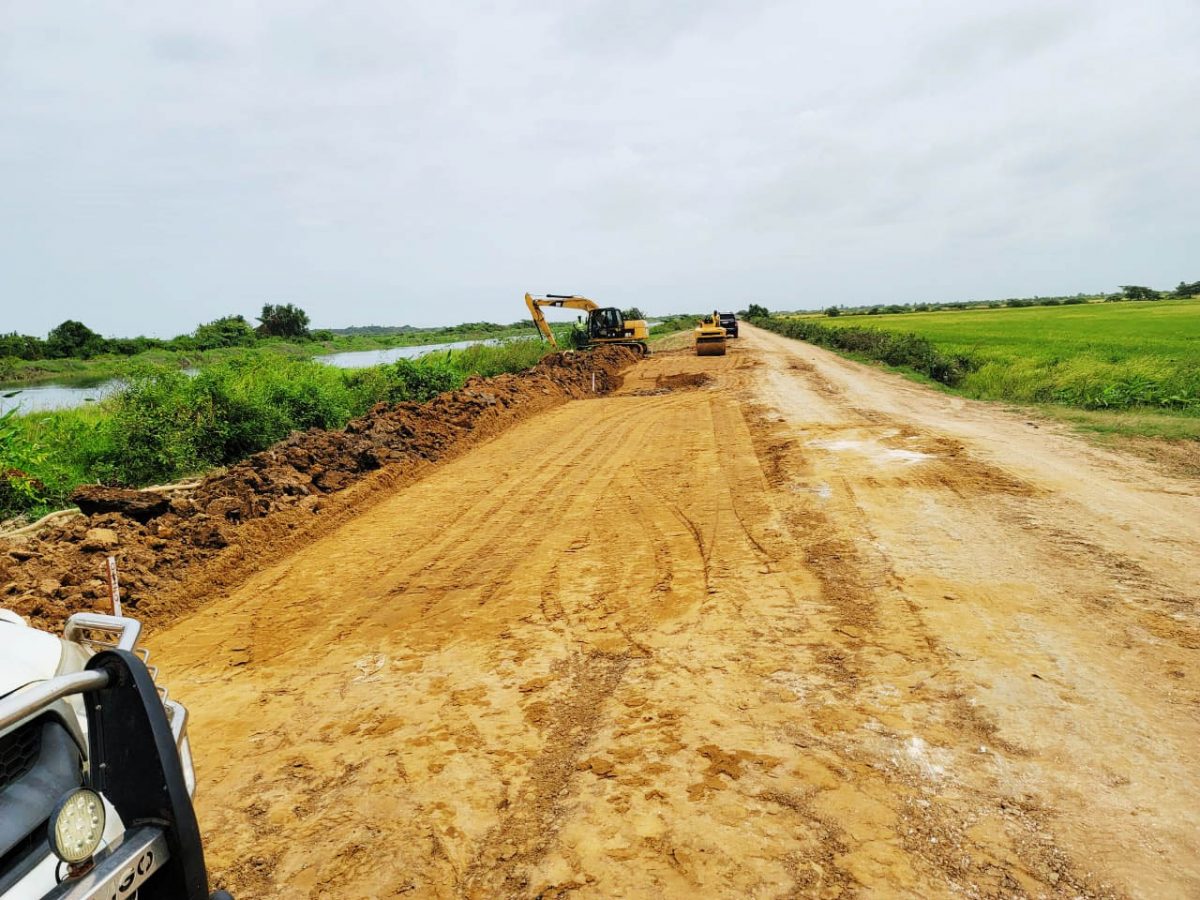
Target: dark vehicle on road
x=730 y=323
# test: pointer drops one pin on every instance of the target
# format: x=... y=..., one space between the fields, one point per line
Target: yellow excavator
x=605 y=324
x=710 y=336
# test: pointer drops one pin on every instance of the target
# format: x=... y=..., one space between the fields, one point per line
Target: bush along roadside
x=894 y=348
x=165 y=425
x=1081 y=380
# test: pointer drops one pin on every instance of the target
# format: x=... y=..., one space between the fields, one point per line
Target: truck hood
x=26 y=654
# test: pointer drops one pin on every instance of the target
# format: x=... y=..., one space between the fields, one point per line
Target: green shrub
x=895 y=349
x=494 y=359
x=405 y=379
x=165 y=424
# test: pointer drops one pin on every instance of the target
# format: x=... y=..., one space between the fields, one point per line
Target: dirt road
x=772 y=624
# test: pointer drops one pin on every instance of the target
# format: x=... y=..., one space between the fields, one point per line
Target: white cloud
x=162 y=164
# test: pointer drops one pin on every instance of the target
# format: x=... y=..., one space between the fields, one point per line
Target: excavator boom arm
x=562 y=301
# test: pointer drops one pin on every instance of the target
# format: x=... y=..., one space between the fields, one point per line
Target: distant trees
x=832 y=311
x=227 y=331
x=21 y=346
x=1139 y=292
x=73 y=338
x=283 y=320
x=632 y=313
x=1127 y=292
x=754 y=311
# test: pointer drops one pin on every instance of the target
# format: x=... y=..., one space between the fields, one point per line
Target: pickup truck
x=96 y=776
x=730 y=323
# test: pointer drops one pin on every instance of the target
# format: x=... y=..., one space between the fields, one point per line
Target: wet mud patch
x=898 y=456
x=953 y=468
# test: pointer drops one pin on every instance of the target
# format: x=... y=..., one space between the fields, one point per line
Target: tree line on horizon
x=1136 y=292
x=74 y=340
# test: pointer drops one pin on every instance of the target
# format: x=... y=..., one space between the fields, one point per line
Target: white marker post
x=114 y=586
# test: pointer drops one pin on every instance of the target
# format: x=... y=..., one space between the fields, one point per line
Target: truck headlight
x=77 y=825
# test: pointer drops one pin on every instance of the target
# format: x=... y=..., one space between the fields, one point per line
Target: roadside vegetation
x=1139 y=359
x=165 y=424
x=74 y=353
x=674 y=323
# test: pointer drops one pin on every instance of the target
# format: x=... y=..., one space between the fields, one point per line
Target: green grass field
x=1141 y=360
x=1170 y=329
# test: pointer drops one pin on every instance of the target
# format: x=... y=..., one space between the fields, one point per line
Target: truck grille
x=19 y=750
x=39 y=763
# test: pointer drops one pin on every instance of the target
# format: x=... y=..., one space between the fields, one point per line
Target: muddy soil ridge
x=221 y=526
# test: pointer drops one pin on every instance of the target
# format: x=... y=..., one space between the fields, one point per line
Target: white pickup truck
x=96 y=777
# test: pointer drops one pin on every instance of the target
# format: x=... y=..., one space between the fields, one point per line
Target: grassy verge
x=900 y=349
x=673 y=332
x=1129 y=369
x=669 y=325
x=166 y=425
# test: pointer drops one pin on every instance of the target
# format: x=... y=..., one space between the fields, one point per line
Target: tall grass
x=165 y=425
x=1112 y=356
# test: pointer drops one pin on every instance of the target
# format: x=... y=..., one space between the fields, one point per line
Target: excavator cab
x=605 y=323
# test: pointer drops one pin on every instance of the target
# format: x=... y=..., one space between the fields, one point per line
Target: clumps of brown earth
x=665 y=384
x=171 y=546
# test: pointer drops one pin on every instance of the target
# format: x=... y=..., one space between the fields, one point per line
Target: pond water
x=50 y=396
x=364 y=359
x=47 y=397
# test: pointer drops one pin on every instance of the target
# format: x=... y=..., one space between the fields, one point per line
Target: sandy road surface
x=803 y=629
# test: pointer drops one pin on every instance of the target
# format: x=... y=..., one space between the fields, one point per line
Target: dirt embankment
x=218 y=531
x=772 y=624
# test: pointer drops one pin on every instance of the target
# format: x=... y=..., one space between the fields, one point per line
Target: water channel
x=49 y=396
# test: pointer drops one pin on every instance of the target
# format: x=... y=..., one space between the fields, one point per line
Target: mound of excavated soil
x=217 y=532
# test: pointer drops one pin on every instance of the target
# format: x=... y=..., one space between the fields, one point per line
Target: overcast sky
x=385 y=162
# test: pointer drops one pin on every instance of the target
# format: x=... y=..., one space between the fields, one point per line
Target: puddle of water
x=364 y=359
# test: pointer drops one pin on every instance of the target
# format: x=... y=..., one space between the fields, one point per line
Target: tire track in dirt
x=530 y=820
x=736 y=630
x=944 y=562
x=876 y=635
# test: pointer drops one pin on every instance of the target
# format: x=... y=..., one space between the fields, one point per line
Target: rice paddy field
x=1129 y=367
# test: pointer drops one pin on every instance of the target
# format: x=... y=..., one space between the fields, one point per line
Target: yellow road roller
x=710 y=336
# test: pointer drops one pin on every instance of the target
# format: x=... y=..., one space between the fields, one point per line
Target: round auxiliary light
x=77 y=825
